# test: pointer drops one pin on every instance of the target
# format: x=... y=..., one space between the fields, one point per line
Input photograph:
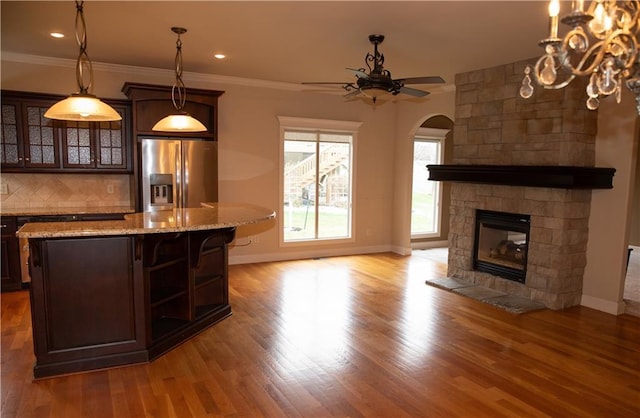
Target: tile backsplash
x=29 y=190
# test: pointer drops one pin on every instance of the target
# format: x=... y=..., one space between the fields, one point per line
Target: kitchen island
x=112 y=293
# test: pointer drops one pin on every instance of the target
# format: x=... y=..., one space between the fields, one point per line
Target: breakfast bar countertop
x=213 y=215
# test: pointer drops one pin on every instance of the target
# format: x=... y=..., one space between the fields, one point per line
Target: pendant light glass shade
x=82 y=106
x=180 y=121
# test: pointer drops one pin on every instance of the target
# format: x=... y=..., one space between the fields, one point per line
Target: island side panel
x=87 y=302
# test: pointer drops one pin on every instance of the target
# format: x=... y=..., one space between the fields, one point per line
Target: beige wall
x=249 y=148
x=634 y=227
x=616 y=146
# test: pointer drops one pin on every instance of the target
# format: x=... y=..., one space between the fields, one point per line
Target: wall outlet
x=4 y=188
x=110 y=188
x=254 y=239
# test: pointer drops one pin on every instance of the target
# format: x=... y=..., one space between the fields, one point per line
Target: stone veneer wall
x=494 y=125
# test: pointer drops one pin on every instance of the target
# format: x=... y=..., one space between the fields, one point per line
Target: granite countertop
x=66 y=211
x=210 y=216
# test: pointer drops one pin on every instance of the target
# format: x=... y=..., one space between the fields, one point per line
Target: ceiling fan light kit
x=602 y=44
x=378 y=82
x=180 y=121
x=82 y=106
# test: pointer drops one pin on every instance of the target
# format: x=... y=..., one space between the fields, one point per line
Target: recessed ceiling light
x=220 y=56
x=57 y=35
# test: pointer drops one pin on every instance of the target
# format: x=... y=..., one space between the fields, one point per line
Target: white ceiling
x=292 y=41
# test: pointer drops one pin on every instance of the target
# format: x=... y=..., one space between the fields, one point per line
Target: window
x=425 y=200
x=317 y=173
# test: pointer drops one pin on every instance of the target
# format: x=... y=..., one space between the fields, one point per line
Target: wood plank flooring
x=351 y=337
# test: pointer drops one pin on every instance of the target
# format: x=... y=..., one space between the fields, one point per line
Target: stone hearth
x=494 y=126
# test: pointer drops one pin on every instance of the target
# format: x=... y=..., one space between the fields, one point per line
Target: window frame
x=437 y=135
x=327 y=126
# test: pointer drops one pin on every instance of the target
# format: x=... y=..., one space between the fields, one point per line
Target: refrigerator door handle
x=177 y=187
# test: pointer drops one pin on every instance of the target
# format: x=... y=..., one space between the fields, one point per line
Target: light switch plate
x=4 y=188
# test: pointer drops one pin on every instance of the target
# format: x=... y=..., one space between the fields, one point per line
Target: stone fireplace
x=534 y=158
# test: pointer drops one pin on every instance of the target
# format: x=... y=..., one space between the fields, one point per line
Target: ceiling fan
x=378 y=81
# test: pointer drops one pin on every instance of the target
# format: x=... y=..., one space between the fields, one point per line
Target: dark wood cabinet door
x=112 y=141
x=77 y=145
x=41 y=139
x=10 y=278
x=98 y=145
x=11 y=154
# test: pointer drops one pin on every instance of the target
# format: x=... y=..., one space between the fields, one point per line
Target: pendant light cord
x=178 y=91
x=83 y=64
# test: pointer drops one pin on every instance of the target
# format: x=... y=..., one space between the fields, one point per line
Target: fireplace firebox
x=501 y=244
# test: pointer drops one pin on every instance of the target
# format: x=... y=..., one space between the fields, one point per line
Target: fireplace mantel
x=566 y=177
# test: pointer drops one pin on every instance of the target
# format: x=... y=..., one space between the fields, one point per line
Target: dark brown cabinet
x=152 y=103
x=11 y=278
x=87 y=313
x=97 y=145
x=29 y=142
x=124 y=299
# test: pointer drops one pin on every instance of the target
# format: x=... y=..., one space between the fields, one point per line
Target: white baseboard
x=299 y=255
x=614 y=308
x=401 y=250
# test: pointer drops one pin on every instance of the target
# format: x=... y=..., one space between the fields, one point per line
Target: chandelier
x=82 y=106
x=180 y=121
x=602 y=44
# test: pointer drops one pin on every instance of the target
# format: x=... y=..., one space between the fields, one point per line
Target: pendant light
x=82 y=106
x=180 y=121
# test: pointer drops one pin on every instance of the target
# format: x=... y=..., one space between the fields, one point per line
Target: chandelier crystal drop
x=180 y=121
x=602 y=44
x=82 y=106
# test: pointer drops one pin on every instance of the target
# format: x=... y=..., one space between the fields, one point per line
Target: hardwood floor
x=350 y=337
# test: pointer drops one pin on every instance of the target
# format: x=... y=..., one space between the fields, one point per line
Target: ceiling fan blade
x=359 y=73
x=352 y=93
x=421 y=80
x=413 y=92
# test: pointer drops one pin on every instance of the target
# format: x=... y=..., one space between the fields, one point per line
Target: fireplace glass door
x=501 y=244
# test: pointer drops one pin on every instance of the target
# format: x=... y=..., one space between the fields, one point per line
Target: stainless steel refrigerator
x=178 y=173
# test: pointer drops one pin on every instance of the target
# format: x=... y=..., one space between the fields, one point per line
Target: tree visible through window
x=317 y=185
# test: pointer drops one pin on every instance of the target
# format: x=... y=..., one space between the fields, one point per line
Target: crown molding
x=142 y=72
x=204 y=80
